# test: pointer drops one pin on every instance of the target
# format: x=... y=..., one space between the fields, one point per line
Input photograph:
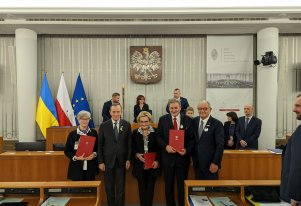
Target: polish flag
x=63 y=106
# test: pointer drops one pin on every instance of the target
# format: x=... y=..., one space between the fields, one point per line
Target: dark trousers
x=115 y=177
x=146 y=186
x=87 y=176
x=170 y=173
x=187 y=166
x=204 y=175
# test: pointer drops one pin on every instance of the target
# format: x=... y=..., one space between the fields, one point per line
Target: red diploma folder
x=149 y=159
x=85 y=145
x=176 y=139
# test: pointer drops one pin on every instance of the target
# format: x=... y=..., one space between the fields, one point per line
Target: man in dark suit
x=209 y=143
x=114 y=149
x=290 y=187
x=183 y=101
x=174 y=162
x=248 y=130
x=107 y=105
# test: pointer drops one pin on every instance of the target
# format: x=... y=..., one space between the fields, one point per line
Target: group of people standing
x=117 y=147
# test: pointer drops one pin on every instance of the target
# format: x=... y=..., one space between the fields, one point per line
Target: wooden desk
x=250 y=165
x=52 y=166
x=38 y=199
x=1 y=144
x=236 y=197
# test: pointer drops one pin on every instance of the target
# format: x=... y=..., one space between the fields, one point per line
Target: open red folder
x=176 y=139
x=85 y=145
x=149 y=159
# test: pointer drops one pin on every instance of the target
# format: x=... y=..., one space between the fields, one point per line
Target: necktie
x=201 y=129
x=116 y=130
x=175 y=124
x=246 y=122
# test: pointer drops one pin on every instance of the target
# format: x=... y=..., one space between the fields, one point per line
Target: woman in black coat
x=140 y=106
x=144 y=141
x=80 y=167
x=229 y=131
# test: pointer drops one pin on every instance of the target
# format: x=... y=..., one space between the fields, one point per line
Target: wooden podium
x=57 y=135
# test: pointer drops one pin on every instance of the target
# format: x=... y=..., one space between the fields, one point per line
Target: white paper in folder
x=197 y=200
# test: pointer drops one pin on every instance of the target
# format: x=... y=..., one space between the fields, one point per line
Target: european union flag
x=79 y=100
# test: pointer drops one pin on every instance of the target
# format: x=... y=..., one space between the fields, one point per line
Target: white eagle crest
x=145 y=64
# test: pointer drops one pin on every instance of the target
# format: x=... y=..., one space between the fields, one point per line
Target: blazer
x=106 y=111
x=184 y=105
x=111 y=150
x=250 y=134
x=137 y=110
x=138 y=147
x=164 y=125
x=227 y=135
x=209 y=148
x=291 y=167
x=75 y=168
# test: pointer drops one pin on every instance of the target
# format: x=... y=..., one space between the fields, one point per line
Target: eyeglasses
x=144 y=121
x=85 y=119
x=203 y=108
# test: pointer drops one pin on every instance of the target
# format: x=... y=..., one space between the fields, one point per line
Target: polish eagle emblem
x=146 y=64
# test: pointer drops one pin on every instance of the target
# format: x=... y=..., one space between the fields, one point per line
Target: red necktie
x=175 y=124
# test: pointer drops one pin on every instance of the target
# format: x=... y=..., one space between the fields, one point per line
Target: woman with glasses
x=80 y=167
x=144 y=141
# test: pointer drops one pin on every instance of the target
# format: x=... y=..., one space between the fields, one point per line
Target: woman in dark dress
x=80 y=167
x=229 y=131
x=144 y=141
x=140 y=106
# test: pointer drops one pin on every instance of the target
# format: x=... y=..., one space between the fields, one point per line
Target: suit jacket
x=184 y=105
x=106 y=110
x=291 y=168
x=227 y=135
x=250 y=134
x=164 y=125
x=111 y=150
x=137 y=110
x=209 y=148
x=138 y=147
x=75 y=168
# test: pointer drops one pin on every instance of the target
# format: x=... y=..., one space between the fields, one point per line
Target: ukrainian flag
x=46 y=113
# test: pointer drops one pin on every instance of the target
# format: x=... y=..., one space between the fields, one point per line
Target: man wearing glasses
x=209 y=143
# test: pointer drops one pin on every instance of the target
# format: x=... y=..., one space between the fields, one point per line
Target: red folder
x=176 y=139
x=85 y=145
x=149 y=159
